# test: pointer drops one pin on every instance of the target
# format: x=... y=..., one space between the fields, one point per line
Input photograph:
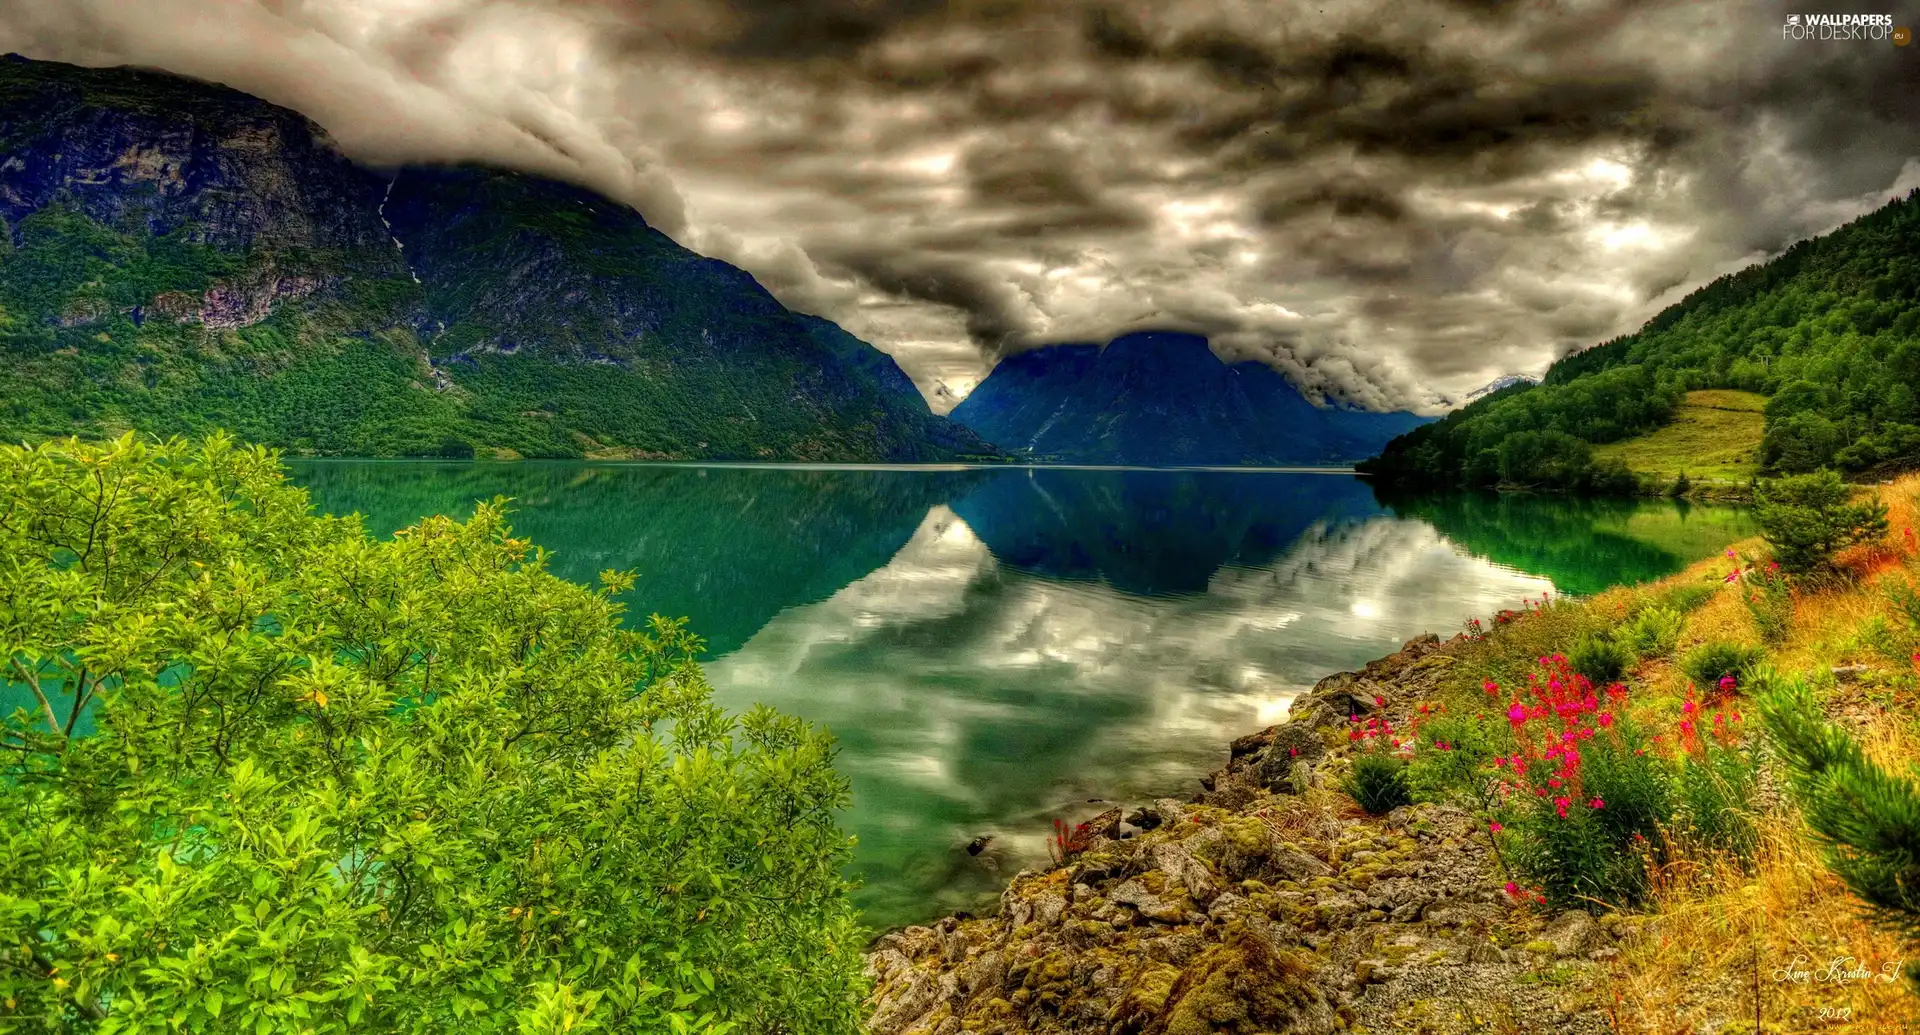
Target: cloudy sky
x=1393 y=201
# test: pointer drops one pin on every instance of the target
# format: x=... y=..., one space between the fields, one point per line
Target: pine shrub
x=1378 y=780
x=1867 y=817
x=1601 y=658
x=1808 y=518
x=1654 y=632
x=1711 y=664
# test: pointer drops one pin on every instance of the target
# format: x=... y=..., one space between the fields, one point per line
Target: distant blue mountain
x=1163 y=398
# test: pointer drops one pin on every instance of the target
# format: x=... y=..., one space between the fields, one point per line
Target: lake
x=997 y=647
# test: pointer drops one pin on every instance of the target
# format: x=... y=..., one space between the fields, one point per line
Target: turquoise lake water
x=994 y=647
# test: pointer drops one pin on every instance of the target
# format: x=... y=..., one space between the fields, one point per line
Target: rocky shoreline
x=1266 y=903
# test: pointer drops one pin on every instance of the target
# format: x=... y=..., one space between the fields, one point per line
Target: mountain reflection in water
x=995 y=647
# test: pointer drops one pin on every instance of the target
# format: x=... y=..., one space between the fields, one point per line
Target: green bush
x=1654 y=632
x=1601 y=658
x=1453 y=758
x=1378 y=781
x=273 y=775
x=1808 y=518
x=1708 y=664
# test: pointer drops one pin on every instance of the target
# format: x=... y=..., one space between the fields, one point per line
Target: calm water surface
x=995 y=647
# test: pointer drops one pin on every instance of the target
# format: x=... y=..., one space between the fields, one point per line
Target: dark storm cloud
x=1393 y=201
x=992 y=307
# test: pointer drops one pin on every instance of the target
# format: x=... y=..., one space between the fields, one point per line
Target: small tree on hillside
x=1809 y=517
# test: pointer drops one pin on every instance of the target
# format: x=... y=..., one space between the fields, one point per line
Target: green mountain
x=1829 y=330
x=176 y=256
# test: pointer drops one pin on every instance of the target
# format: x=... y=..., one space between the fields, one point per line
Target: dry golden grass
x=1788 y=936
x=1714 y=932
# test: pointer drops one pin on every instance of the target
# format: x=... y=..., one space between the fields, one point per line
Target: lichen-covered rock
x=1249 y=911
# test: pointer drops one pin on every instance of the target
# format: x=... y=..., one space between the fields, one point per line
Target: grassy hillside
x=1714 y=437
x=1829 y=331
x=1687 y=961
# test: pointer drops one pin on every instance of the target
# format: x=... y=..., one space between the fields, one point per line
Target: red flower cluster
x=1507 y=616
x=1523 y=895
x=1558 y=712
x=1377 y=729
x=1068 y=841
x=1721 y=730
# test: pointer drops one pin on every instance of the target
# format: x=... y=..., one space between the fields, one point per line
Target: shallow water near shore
x=997 y=647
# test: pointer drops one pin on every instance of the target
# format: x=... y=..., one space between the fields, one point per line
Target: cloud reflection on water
x=973 y=697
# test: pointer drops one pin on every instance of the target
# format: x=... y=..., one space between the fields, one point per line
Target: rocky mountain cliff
x=179 y=256
x=1163 y=398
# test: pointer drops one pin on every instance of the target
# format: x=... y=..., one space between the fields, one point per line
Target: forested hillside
x=177 y=257
x=1829 y=331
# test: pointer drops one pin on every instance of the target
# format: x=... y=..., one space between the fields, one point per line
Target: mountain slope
x=1162 y=398
x=1830 y=330
x=176 y=256
x=1496 y=385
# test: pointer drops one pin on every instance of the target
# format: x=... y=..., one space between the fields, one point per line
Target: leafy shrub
x=1654 y=632
x=1378 y=780
x=1681 y=486
x=1601 y=658
x=1808 y=518
x=1710 y=663
x=1068 y=841
x=1454 y=756
x=279 y=776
